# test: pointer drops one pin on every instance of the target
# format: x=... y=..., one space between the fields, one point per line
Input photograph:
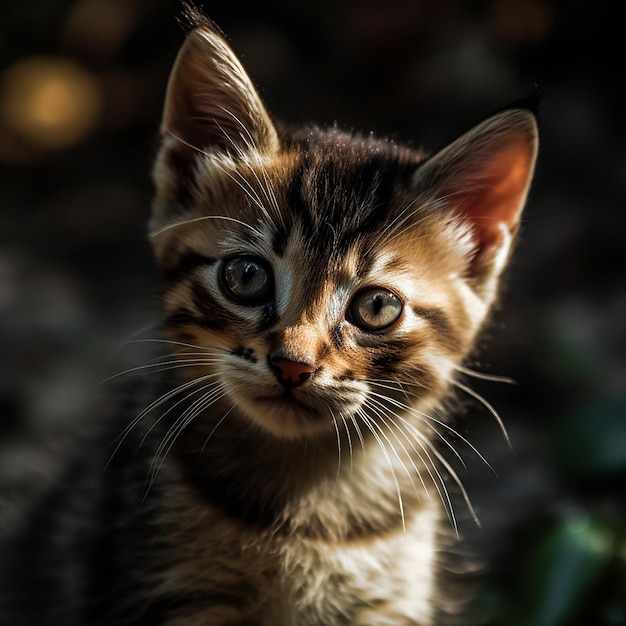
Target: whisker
x=269 y=193
x=334 y=419
x=347 y=431
x=421 y=416
x=202 y=218
x=358 y=432
x=389 y=422
x=265 y=186
x=370 y=425
x=430 y=418
x=162 y=367
x=494 y=378
x=439 y=483
x=184 y=142
x=248 y=139
x=171 y=342
x=192 y=410
x=180 y=424
x=452 y=473
x=176 y=404
x=489 y=407
x=398 y=220
x=153 y=405
x=206 y=441
x=424 y=441
x=242 y=182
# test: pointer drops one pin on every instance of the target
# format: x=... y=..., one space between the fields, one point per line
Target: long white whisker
x=424 y=441
x=452 y=473
x=389 y=422
x=431 y=418
x=494 y=378
x=242 y=182
x=398 y=220
x=206 y=441
x=489 y=407
x=202 y=218
x=192 y=410
x=345 y=426
x=334 y=419
x=439 y=483
x=380 y=409
x=182 y=421
x=170 y=342
x=153 y=405
x=163 y=367
x=358 y=432
x=420 y=415
x=371 y=424
x=248 y=139
x=179 y=402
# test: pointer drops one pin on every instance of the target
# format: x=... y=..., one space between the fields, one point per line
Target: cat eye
x=247 y=280
x=375 y=309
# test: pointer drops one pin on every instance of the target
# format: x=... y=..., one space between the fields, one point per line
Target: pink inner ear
x=491 y=195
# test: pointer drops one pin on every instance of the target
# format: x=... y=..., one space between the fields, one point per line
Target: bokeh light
x=48 y=103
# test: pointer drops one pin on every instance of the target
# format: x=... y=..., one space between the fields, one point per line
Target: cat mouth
x=288 y=401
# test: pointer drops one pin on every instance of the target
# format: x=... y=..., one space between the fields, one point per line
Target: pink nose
x=289 y=373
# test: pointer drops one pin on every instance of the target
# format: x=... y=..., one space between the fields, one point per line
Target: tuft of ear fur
x=482 y=179
x=211 y=110
x=211 y=104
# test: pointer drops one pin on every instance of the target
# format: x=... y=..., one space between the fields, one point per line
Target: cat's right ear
x=211 y=104
x=482 y=180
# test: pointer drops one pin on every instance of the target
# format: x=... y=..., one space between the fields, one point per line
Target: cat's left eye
x=247 y=280
x=375 y=309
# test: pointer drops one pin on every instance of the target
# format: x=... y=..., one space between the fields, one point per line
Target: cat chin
x=285 y=417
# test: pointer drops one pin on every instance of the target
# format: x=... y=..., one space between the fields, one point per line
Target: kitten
x=321 y=291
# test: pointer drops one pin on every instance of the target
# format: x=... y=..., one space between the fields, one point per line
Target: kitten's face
x=316 y=298
x=326 y=281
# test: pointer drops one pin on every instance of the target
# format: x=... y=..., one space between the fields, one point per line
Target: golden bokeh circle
x=49 y=102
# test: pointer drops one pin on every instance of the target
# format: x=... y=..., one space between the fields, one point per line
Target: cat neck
x=324 y=488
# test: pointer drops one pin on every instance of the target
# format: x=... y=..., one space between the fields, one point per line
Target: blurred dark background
x=81 y=87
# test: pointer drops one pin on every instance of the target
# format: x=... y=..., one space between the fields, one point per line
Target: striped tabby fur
x=321 y=292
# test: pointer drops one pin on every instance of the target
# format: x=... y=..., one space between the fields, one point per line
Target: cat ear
x=211 y=104
x=483 y=178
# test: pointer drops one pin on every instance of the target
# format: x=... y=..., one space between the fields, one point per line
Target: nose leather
x=290 y=373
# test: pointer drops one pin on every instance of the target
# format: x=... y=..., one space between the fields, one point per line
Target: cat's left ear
x=483 y=178
x=211 y=103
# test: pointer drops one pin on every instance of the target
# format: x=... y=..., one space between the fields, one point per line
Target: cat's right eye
x=375 y=309
x=247 y=280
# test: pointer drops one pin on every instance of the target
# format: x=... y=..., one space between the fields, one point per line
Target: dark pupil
x=377 y=302
x=249 y=271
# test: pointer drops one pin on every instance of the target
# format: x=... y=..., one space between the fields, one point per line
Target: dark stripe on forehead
x=344 y=195
x=298 y=205
x=280 y=238
x=365 y=261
